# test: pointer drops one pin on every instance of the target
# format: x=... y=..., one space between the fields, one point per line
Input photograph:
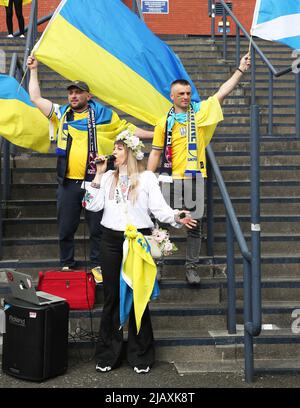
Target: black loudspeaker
x=35 y=342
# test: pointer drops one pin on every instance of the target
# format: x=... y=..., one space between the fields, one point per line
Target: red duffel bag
x=77 y=287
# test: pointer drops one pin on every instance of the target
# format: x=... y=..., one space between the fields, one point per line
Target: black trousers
x=69 y=208
x=19 y=13
x=140 y=347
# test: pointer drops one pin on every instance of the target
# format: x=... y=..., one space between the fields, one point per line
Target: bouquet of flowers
x=162 y=237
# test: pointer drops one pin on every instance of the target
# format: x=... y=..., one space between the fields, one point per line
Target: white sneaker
x=22 y=36
x=102 y=369
x=10 y=36
x=66 y=268
x=141 y=370
x=97 y=273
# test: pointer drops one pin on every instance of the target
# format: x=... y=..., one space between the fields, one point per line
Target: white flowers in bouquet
x=162 y=237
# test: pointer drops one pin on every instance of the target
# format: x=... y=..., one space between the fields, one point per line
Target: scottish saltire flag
x=278 y=20
x=106 y=45
x=138 y=283
x=20 y=121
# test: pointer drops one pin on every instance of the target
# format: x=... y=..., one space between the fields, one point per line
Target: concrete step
x=269 y=172
x=39 y=247
x=236 y=188
x=27 y=191
x=47 y=226
x=263 y=91
x=38 y=208
x=266 y=159
x=198 y=49
x=281 y=265
x=290 y=188
x=268 y=145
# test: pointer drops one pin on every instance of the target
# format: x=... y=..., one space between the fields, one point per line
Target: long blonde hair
x=134 y=168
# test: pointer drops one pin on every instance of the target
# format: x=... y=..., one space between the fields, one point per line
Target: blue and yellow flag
x=138 y=283
x=106 y=45
x=20 y=121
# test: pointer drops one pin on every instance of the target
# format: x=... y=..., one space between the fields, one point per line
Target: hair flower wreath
x=132 y=142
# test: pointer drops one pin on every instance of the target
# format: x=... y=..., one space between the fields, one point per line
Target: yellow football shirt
x=78 y=154
x=207 y=118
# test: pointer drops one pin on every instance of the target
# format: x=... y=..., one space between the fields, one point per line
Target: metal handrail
x=228 y=204
x=251 y=260
x=16 y=71
x=1 y=204
x=136 y=6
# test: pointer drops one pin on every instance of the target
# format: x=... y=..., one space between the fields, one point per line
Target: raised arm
x=43 y=104
x=232 y=82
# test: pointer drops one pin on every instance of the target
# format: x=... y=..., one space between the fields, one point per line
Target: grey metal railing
x=251 y=260
x=1 y=199
x=7 y=149
x=17 y=70
x=136 y=8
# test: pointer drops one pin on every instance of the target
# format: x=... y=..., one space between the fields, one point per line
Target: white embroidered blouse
x=149 y=200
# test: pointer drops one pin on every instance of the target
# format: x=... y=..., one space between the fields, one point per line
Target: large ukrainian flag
x=20 y=121
x=106 y=45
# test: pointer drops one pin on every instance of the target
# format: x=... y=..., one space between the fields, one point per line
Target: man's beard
x=79 y=105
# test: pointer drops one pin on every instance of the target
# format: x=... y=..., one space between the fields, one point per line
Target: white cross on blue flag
x=278 y=20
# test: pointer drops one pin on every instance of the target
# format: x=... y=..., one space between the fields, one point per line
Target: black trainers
x=141 y=370
x=102 y=369
x=192 y=275
x=66 y=268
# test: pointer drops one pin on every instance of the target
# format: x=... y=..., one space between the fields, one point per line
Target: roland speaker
x=35 y=342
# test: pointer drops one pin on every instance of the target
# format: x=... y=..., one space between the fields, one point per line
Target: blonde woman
x=126 y=194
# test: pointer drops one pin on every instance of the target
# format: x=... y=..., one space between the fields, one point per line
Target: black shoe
x=102 y=369
x=138 y=370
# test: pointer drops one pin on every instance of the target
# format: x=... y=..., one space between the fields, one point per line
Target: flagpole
x=23 y=77
x=250 y=43
x=25 y=72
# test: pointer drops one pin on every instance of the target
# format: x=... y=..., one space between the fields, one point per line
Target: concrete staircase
x=190 y=321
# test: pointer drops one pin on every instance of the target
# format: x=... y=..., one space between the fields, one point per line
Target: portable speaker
x=35 y=344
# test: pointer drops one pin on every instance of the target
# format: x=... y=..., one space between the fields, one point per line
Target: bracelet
x=238 y=69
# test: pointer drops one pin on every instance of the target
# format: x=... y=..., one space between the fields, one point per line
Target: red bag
x=77 y=287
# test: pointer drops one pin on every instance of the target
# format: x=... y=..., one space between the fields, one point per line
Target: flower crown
x=133 y=142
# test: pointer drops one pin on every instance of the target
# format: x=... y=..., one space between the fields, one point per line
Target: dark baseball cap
x=80 y=85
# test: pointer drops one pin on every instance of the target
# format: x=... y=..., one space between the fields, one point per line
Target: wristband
x=238 y=69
